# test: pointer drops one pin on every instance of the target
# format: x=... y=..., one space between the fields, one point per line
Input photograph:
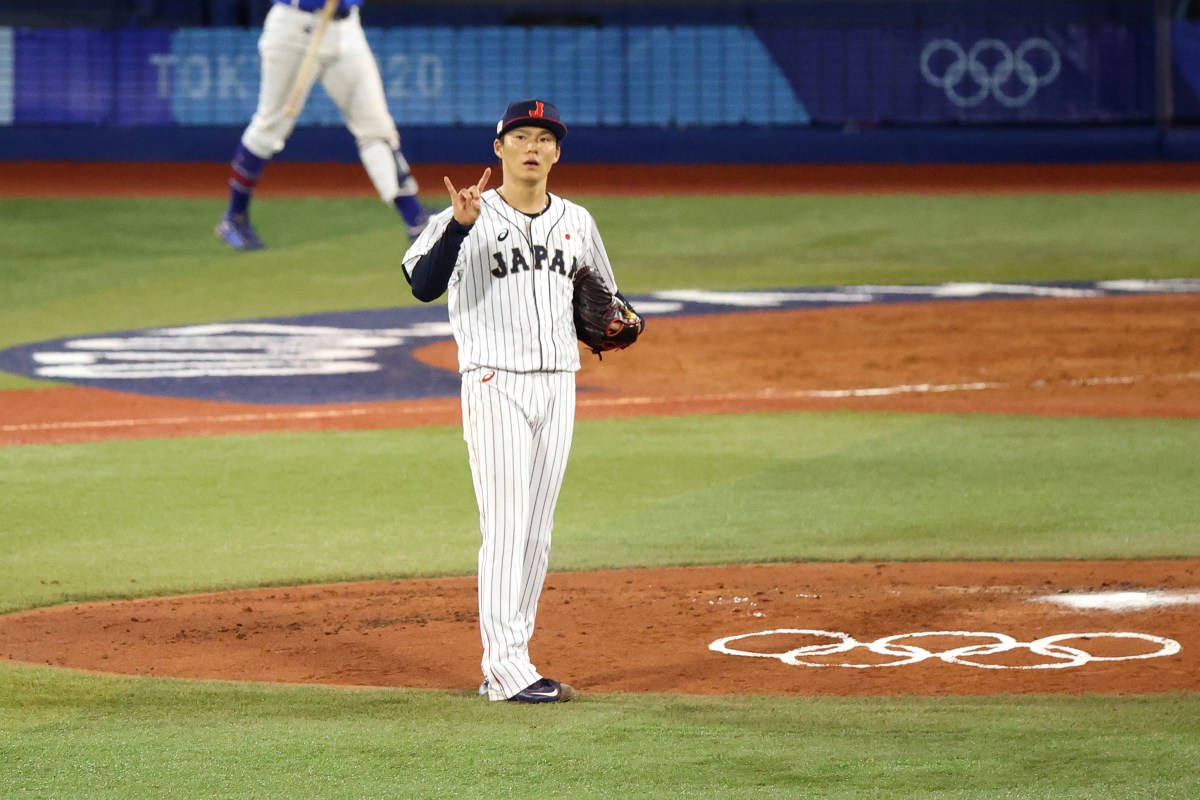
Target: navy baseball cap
x=534 y=113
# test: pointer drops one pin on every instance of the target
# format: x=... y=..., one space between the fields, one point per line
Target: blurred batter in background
x=346 y=67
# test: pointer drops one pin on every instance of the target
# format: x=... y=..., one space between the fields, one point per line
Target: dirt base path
x=651 y=630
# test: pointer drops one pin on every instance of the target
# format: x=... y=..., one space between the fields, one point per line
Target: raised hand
x=468 y=200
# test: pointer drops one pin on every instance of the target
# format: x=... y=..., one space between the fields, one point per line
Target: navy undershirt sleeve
x=431 y=275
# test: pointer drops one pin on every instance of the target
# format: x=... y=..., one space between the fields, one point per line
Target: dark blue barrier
x=1181 y=144
x=710 y=145
x=826 y=81
x=929 y=62
x=1185 y=52
x=684 y=75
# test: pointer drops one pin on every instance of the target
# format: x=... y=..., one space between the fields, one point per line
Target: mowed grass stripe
x=169 y=515
x=71 y=735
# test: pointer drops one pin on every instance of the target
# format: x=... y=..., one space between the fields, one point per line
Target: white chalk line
x=153 y=421
x=797 y=394
x=605 y=402
x=886 y=391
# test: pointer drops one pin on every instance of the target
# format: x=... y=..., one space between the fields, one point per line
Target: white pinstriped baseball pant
x=518 y=429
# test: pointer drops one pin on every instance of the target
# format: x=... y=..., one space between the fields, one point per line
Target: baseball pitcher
x=511 y=261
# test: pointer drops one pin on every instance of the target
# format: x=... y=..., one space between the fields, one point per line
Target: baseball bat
x=304 y=78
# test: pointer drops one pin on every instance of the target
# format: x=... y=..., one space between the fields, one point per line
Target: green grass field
x=119 y=519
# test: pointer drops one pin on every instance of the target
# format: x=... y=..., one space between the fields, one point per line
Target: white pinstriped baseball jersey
x=510 y=295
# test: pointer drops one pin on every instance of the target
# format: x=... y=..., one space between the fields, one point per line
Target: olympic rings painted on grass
x=903 y=653
x=990 y=65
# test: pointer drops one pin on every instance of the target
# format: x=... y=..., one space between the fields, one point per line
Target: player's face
x=528 y=153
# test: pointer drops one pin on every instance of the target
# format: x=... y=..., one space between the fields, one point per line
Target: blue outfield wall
x=638 y=145
x=901 y=82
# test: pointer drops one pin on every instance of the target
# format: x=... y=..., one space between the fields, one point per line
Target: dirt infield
x=651 y=631
x=654 y=630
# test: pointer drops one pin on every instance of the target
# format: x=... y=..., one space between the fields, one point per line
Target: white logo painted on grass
x=370 y=355
x=244 y=349
x=897 y=647
x=1167 y=285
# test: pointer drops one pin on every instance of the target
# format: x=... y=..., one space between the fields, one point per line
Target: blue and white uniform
x=346 y=68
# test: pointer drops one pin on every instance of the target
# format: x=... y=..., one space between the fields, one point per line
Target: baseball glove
x=603 y=322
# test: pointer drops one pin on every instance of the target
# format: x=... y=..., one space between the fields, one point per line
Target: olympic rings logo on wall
x=904 y=652
x=987 y=69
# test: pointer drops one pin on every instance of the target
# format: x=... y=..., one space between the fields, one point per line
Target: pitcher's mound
x=798 y=629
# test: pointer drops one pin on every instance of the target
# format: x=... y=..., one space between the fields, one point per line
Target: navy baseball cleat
x=483 y=688
x=237 y=232
x=545 y=690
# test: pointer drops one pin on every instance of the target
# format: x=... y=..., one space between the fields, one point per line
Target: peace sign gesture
x=468 y=201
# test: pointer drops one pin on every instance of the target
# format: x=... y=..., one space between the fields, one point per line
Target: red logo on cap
x=539 y=111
